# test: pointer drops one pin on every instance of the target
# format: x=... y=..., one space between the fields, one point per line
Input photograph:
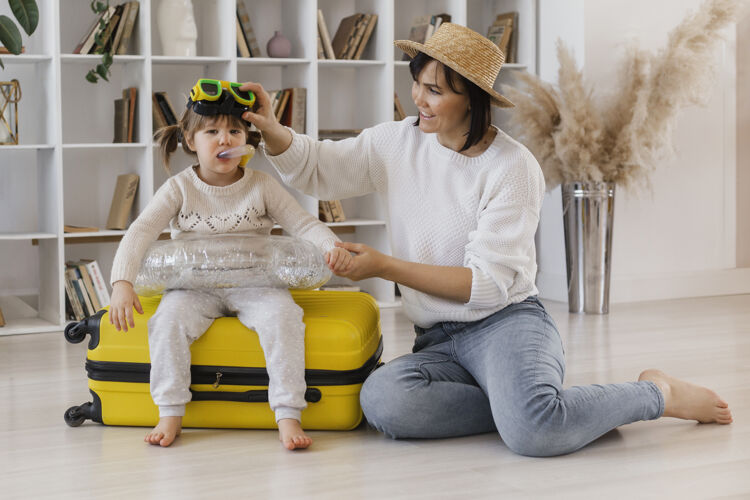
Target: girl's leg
x=426 y=394
x=181 y=318
x=273 y=314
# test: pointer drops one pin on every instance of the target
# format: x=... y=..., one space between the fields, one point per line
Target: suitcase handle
x=312 y=395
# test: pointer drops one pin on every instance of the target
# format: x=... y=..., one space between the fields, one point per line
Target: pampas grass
x=626 y=136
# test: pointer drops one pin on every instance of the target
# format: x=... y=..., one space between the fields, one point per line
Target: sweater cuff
x=484 y=291
x=289 y=160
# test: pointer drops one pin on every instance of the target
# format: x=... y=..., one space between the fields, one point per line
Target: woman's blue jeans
x=503 y=373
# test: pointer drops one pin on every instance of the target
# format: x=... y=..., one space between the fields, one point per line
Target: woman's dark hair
x=479 y=100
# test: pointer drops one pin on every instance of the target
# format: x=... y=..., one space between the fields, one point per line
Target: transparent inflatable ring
x=231 y=261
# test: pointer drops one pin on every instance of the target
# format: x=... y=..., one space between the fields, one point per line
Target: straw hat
x=465 y=51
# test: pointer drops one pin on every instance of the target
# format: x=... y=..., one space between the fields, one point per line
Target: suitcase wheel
x=75 y=332
x=76 y=415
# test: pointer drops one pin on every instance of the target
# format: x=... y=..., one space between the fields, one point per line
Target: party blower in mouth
x=245 y=149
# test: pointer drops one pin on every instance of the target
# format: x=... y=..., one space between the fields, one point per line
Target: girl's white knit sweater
x=188 y=205
x=442 y=208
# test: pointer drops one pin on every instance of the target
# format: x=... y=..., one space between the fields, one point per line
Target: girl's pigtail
x=168 y=138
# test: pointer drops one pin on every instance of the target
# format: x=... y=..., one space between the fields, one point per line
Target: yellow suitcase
x=229 y=381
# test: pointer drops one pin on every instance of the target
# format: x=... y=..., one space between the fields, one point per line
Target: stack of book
x=247 y=45
x=111 y=31
x=422 y=28
x=85 y=289
x=289 y=106
x=331 y=211
x=350 y=39
x=162 y=112
x=504 y=32
x=125 y=116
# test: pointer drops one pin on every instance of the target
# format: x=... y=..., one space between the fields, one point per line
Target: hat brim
x=411 y=48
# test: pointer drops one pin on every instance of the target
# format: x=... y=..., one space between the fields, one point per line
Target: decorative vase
x=279 y=46
x=588 y=216
x=177 y=29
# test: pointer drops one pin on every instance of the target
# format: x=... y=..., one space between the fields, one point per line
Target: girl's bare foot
x=165 y=431
x=689 y=401
x=291 y=434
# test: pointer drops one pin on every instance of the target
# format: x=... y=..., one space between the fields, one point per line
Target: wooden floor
x=706 y=341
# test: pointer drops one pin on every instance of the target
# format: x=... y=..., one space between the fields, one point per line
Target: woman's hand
x=366 y=263
x=338 y=260
x=124 y=299
x=276 y=137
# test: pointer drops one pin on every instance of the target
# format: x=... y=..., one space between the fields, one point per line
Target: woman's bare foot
x=291 y=434
x=689 y=401
x=165 y=431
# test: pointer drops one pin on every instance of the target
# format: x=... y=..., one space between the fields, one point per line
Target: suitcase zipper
x=116 y=371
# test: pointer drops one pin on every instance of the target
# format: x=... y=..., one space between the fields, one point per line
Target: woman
x=463 y=202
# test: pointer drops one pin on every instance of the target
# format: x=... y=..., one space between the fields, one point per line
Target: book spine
x=99 y=284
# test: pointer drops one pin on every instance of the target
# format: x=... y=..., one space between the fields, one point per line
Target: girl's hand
x=338 y=260
x=121 y=305
x=263 y=117
x=366 y=263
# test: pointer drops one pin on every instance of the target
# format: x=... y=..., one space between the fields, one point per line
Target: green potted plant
x=26 y=13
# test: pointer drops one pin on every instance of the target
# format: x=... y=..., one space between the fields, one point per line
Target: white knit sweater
x=443 y=208
x=188 y=205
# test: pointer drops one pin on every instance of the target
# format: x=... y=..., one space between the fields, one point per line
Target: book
x=130 y=94
x=101 y=42
x=120 y=27
x=511 y=54
x=340 y=42
x=157 y=116
x=166 y=107
x=79 y=292
x=294 y=115
x=88 y=285
x=127 y=31
x=99 y=28
x=247 y=29
x=337 y=211
x=100 y=286
x=72 y=297
x=122 y=201
x=325 y=36
x=324 y=211
x=121 y=120
x=398 y=111
x=418 y=32
x=89 y=32
x=321 y=52
x=282 y=103
x=499 y=32
x=371 y=22
x=242 y=49
x=67 y=228
x=356 y=37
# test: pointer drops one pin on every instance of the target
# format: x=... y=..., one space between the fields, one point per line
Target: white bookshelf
x=64 y=169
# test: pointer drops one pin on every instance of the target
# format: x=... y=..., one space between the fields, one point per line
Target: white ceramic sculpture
x=177 y=28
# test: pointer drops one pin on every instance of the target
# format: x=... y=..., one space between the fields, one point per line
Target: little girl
x=218 y=196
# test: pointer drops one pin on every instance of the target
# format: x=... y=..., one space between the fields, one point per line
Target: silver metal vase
x=588 y=216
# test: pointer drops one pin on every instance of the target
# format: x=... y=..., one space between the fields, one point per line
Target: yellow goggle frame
x=208 y=89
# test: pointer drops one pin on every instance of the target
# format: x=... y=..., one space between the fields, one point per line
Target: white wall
x=679 y=241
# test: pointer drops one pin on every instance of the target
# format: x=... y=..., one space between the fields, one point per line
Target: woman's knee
x=383 y=402
x=533 y=436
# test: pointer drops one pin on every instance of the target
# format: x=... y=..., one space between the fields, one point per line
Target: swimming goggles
x=210 y=97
